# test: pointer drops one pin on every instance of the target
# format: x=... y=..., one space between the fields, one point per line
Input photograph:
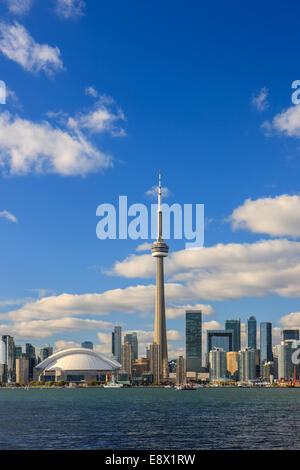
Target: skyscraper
x=235 y=327
x=117 y=343
x=9 y=357
x=219 y=339
x=251 y=332
x=247 y=365
x=30 y=355
x=180 y=371
x=127 y=358
x=285 y=364
x=193 y=334
x=160 y=250
x=265 y=343
x=217 y=364
x=290 y=334
x=132 y=339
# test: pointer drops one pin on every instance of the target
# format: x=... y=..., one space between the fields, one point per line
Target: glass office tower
x=265 y=343
x=251 y=332
x=193 y=335
x=131 y=338
x=290 y=335
x=235 y=326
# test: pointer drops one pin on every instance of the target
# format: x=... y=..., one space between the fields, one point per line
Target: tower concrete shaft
x=160 y=251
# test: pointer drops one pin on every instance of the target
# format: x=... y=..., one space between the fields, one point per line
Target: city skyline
x=120 y=109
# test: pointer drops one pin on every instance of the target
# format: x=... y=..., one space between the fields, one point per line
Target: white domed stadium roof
x=78 y=359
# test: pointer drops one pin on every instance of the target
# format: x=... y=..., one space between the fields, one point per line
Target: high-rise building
x=44 y=352
x=160 y=250
x=9 y=358
x=18 y=352
x=251 y=332
x=285 y=364
x=133 y=340
x=247 y=365
x=193 y=335
x=113 y=343
x=155 y=362
x=265 y=343
x=235 y=327
x=219 y=339
x=233 y=364
x=180 y=371
x=117 y=343
x=22 y=370
x=127 y=358
x=30 y=355
x=87 y=345
x=217 y=365
x=290 y=334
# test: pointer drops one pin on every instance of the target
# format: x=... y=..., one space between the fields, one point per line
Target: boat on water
x=185 y=387
x=112 y=384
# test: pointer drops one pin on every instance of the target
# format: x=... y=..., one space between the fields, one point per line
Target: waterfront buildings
x=30 y=355
x=43 y=353
x=76 y=365
x=247 y=365
x=127 y=358
x=235 y=327
x=219 y=339
x=265 y=343
x=8 y=360
x=251 y=331
x=193 y=343
x=180 y=371
x=285 y=364
x=133 y=340
x=159 y=251
x=22 y=370
x=217 y=365
x=117 y=343
x=233 y=364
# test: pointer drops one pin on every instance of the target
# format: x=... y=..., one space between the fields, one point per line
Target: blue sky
x=102 y=95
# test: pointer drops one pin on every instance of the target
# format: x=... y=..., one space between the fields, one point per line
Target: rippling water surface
x=150 y=419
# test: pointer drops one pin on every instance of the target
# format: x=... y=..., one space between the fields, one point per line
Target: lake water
x=150 y=419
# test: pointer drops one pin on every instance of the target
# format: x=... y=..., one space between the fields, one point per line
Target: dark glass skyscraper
x=193 y=334
x=235 y=326
x=9 y=358
x=265 y=342
x=251 y=332
x=290 y=334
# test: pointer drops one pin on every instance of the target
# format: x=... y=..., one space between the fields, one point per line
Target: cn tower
x=160 y=251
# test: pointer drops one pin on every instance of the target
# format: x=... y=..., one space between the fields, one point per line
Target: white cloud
x=17 y=45
x=70 y=8
x=43 y=328
x=259 y=101
x=19 y=7
x=7 y=215
x=286 y=123
x=290 y=321
x=98 y=120
x=279 y=216
x=27 y=147
x=179 y=310
x=144 y=247
x=223 y=272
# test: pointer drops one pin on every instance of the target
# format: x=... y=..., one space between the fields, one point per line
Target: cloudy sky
x=100 y=95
